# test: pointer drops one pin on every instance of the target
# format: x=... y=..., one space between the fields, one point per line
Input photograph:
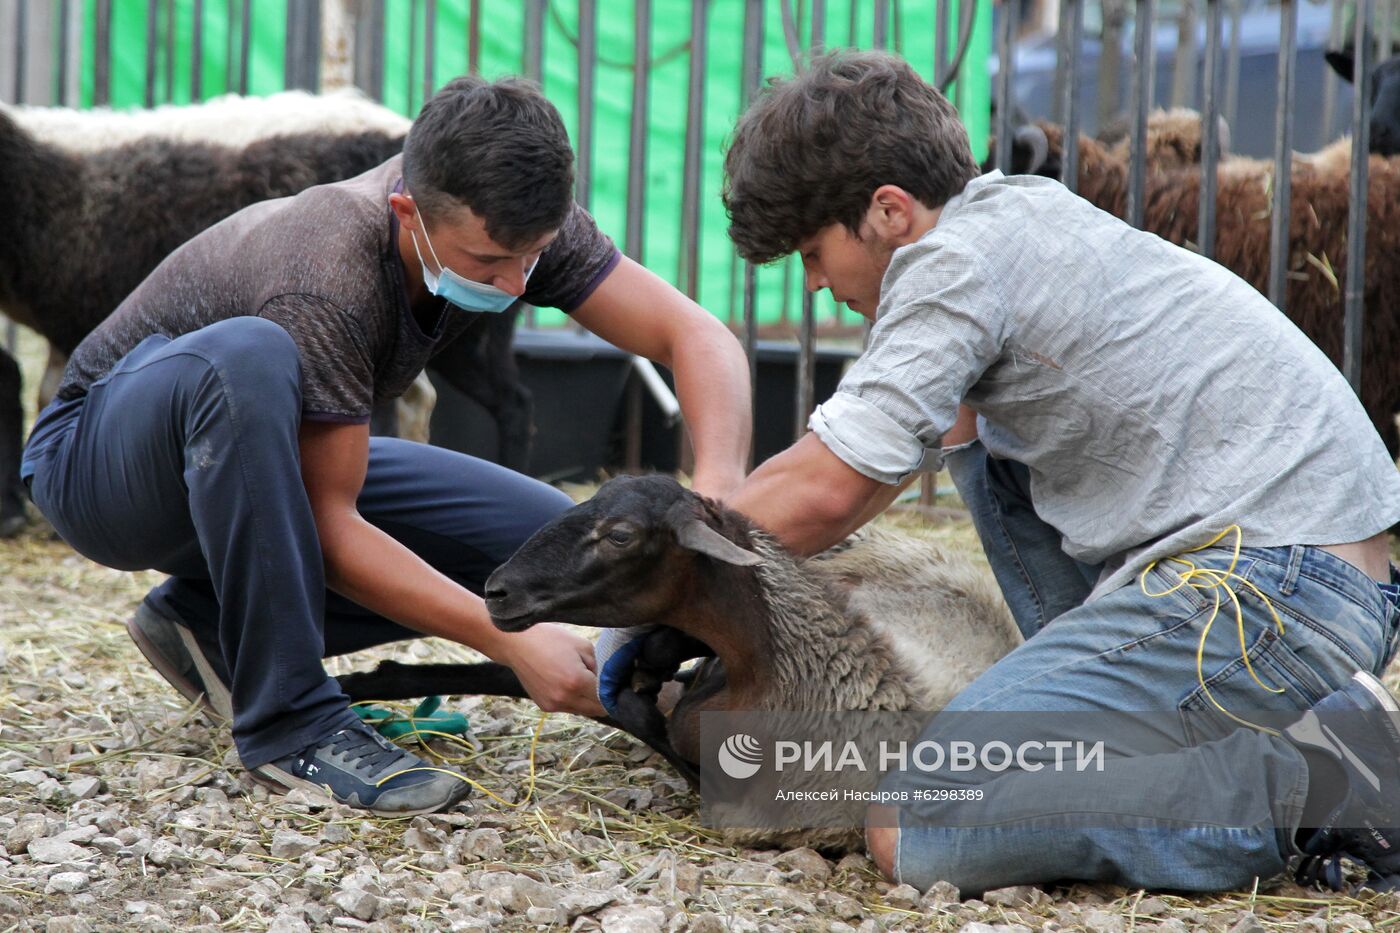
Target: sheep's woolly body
x=1173 y=140
x=879 y=623
x=228 y=120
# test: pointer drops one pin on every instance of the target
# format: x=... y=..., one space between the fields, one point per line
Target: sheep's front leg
x=392 y=680
x=12 y=496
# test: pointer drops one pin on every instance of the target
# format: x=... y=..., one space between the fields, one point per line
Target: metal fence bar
x=587 y=74
x=412 y=77
x=1232 y=65
x=1385 y=29
x=1184 y=71
x=1071 y=34
x=1357 y=213
x=1144 y=65
x=1210 y=132
x=1330 y=81
x=637 y=141
x=291 y=61
x=1283 y=155
x=940 y=39
x=369 y=50
x=688 y=275
x=880 y=32
x=807 y=325
x=102 y=54
x=751 y=75
x=1006 y=39
x=806 y=361
x=429 y=48
x=65 y=13
x=245 y=46
x=152 y=38
x=302 y=38
x=197 y=53
x=21 y=49
x=169 y=70
x=532 y=48
x=1110 y=94
x=230 y=53
x=73 y=70
x=474 y=38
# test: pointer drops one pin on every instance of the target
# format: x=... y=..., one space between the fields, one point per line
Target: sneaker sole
x=1378 y=691
x=285 y=781
x=220 y=706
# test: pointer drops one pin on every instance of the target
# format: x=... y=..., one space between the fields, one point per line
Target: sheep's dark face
x=1385 y=108
x=1385 y=99
x=625 y=557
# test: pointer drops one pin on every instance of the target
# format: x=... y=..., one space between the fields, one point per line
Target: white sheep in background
x=228 y=120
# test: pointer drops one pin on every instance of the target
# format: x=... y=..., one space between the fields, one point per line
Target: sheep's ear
x=697 y=536
x=693 y=534
x=1343 y=63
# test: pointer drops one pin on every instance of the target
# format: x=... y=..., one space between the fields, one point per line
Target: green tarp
x=848 y=23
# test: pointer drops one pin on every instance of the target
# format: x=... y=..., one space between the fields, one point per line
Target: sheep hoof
x=11 y=525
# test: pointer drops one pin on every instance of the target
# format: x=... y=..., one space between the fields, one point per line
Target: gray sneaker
x=177 y=655
x=361 y=768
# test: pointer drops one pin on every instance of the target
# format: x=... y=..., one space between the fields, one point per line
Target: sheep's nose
x=496 y=588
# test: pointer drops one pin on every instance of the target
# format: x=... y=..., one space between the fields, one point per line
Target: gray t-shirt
x=1156 y=398
x=323 y=264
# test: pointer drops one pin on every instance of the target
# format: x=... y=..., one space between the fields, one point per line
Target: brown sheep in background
x=1316 y=271
x=1315 y=290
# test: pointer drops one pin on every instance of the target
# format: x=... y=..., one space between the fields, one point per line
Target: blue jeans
x=185 y=459
x=1129 y=651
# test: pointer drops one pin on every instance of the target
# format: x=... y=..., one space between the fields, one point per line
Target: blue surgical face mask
x=460 y=290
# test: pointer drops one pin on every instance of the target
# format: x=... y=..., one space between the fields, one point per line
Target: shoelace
x=357 y=746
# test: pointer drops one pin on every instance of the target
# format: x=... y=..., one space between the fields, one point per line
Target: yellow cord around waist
x=1206 y=578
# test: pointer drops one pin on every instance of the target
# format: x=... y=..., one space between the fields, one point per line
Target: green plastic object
x=425 y=718
x=849 y=24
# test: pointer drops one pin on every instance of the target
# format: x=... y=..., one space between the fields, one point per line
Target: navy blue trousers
x=184 y=459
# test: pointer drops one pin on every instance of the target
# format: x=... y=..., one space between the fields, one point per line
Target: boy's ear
x=891 y=212
x=404 y=209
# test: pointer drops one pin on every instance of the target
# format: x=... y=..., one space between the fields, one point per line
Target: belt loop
x=1295 y=567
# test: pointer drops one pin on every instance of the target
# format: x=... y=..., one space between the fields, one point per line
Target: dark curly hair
x=497 y=147
x=812 y=150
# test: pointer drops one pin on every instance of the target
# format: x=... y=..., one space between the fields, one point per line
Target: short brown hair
x=497 y=147
x=812 y=150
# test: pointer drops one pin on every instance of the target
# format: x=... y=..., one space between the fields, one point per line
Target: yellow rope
x=1206 y=578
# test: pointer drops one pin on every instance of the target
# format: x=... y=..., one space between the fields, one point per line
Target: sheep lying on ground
x=82 y=224
x=878 y=623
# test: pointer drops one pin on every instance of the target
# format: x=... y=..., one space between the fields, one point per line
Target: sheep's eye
x=621 y=536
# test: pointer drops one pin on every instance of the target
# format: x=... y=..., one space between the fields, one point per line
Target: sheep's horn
x=701 y=538
x=1034 y=139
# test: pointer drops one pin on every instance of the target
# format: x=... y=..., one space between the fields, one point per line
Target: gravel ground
x=122 y=807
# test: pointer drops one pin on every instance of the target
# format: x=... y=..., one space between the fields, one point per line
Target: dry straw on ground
x=122 y=807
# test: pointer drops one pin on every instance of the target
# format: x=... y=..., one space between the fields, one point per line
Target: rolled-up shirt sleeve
x=941 y=324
